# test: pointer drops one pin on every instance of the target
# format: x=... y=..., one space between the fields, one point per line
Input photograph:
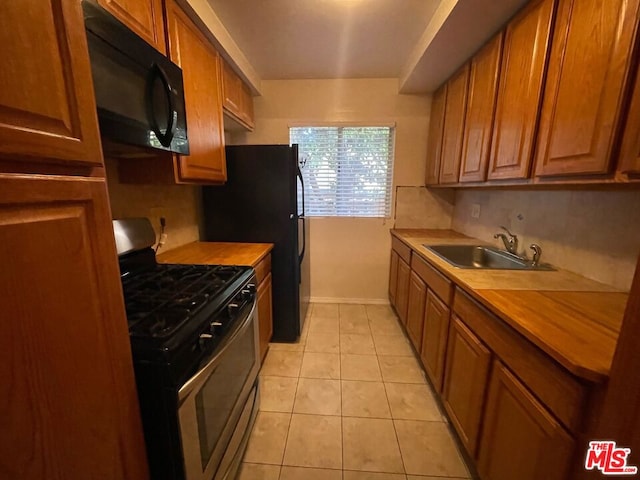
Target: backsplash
x=417 y=207
x=179 y=204
x=593 y=233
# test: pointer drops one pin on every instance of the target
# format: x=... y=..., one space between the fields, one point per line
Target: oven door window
x=216 y=399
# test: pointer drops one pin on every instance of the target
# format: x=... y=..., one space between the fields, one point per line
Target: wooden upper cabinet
x=231 y=88
x=465 y=382
x=585 y=89
x=202 y=76
x=47 y=105
x=144 y=17
x=520 y=439
x=237 y=97
x=454 y=114
x=524 y=56
x=69 y=406
x=434 y=338
x=630 y=152
x=436 y=124
x=247 y=106
x=478 y=125
x=415 y=309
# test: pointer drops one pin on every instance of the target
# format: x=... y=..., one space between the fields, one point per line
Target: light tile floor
x=349 y=402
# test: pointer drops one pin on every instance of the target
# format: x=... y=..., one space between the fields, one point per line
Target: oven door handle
x=201 y=375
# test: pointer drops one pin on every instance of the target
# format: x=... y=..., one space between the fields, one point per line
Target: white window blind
x=347 y=170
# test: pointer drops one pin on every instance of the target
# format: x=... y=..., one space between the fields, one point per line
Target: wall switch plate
x=475 y=210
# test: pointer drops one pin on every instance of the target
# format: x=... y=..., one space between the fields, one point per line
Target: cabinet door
x=402 y=292
x=201 y=71
x=630 y=152
x=47 y=105
x=69 y=407
x=465 y=382
x=454 y=113
x=144 y=17
x=436 y=124
x=415 y=309
x=247 y=106
x=231 y=89
x=434 y=338
x=520 y=439
x=265 y=318
x=393 y=277
x=526 y=43
x=478 y=125
x=584 y=93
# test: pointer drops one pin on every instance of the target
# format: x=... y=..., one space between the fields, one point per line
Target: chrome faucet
x=510 y=242
x=537 y=253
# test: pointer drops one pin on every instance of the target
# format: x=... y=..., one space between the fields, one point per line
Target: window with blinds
x=347 y=170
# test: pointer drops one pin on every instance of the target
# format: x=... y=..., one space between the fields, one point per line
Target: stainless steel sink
x=482 y=257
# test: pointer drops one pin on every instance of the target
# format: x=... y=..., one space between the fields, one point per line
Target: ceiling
x=420 y=42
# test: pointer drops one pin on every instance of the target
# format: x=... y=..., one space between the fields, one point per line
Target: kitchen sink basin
x=482 y=257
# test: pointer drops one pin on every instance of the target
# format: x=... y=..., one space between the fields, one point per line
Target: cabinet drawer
x=560 y=391
x=263 y=269
x=437 y=282
x=403 y=250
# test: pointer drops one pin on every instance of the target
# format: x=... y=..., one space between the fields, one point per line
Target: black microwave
x=139 y=91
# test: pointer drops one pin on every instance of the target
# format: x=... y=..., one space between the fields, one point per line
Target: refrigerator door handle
x=303 y=218
x=304 y=238
x=302 y=183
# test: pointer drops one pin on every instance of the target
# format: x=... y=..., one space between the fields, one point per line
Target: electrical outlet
x=475 y=210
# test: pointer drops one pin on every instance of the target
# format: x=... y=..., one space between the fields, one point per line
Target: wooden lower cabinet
x=265 y=316
x=434 y=339
x=69 y=406
x=520 y=439
x=465 y=382
x=402 y=292
x=393 y=277
x=415 y=309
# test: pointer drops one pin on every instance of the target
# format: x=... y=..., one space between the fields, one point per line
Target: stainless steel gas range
x=194 y=338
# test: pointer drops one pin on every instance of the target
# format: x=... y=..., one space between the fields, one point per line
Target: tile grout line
x=295 y=394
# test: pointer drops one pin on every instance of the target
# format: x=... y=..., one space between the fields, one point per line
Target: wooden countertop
x=217 y=253
x=573 y=319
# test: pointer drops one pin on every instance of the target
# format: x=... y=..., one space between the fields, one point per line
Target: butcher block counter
x=218 y=253
x=256 y=255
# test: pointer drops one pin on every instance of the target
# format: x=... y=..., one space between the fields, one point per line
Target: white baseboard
x=366 y=301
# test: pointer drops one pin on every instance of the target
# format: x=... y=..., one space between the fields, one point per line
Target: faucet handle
x=537 y=253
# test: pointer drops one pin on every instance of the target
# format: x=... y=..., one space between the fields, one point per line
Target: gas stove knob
x=232 y=309
x=249 y=290
x=216 y=327
x=204 y=339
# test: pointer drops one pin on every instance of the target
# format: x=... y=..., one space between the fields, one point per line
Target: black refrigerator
x=263 y=202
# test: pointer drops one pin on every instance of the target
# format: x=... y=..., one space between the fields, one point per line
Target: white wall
x=350 y=256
